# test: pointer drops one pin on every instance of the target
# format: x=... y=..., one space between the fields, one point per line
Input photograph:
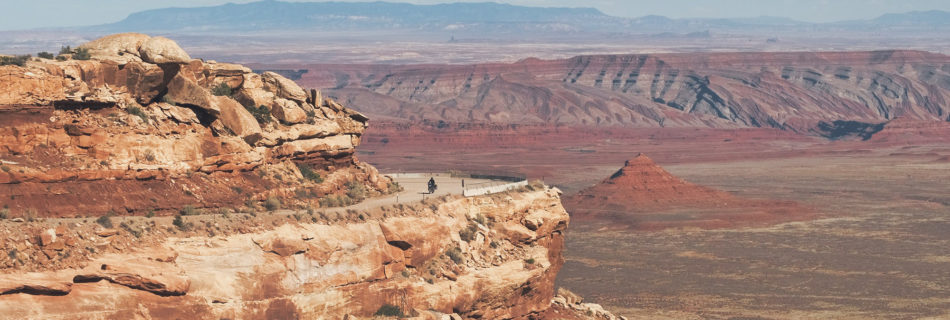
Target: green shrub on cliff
x=388 y=310
x=45 y=55
x=308 y=173
x=82 y=54
x=19 y=60
x=222 y=89
x=262 y=114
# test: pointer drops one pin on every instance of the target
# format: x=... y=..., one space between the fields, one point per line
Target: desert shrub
x=189 y=210
x=60 y=58
x=82 y=54
x=136 y=111
x=5 y=168
x=272 y=204
x=45 y=55
x=135 y=232
x=18 y=60
x=150 y=214
x=455 y=254
x=262 y=114
x=529 y=260
x=237 y=189
x=468 y=234
x=105 y=221
x=4 y=213
x=179 y=223
x=394 y=187
x=149 y=155
x=222 y=89
x=356 y=191
x=388 y=310
x=335 y=201
x=308 y=172
x=480 y=218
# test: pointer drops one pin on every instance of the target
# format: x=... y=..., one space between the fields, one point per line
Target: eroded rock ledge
x=142 y=126
x=489 y=257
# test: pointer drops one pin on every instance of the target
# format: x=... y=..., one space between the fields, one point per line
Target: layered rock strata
x=142 y=126
x=489 y=257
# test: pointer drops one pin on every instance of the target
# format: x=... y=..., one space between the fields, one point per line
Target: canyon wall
x=790 y=91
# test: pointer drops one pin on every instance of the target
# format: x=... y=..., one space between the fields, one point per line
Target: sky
x=18 y=14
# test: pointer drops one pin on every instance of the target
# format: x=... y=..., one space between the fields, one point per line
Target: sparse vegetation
x=82 y=54
x=272 y=204
x=356 y=191
x=333 y=201
x=308 y=172
x=18 y=60
x=4 y=213
x=468 y=234
x=179 y=222
x=134 y=231
x=136 y=111
x=237 y=189
x=262 y=114
x=188 y=210
x=105 y=221
x=388 y=310
x=5 y=168
x=45 y=55
x=150 y=214
x=529 y=261
x=149 y=155
x=65 y=50
x=222 y=89
x=455 y=254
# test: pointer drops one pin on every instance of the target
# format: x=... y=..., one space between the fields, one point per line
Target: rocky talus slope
x=642 y=195
x=143 y=127
x=789 y=91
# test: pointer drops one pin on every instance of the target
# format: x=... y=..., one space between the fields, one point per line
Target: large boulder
x=122 y=47
x=237 y=119
x=252 y=92
x=283 y=87
x=163 y=50
x=288 y=111
x=145 y=81
x=182 y=90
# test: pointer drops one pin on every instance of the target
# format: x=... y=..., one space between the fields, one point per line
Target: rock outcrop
x=141 y=126
x=451 y=258
x=642 y=195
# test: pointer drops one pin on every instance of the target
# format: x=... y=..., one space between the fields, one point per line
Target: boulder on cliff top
x=136 y=47
x=283 y=87
x=163 y=50
x=122 y=47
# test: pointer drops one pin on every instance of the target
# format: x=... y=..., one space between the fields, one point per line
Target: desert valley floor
x=877 y=249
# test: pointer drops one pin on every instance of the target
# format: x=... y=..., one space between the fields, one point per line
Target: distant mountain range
x=462 y=18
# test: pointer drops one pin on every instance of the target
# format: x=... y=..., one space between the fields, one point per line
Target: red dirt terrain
x=643 y=196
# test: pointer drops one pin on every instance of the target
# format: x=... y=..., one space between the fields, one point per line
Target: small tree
x=388 y=310
x=65 y=50
x=45 y=55
x=82 y=54
x=222 y=89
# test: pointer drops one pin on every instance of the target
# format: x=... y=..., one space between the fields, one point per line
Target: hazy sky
x=18 y=14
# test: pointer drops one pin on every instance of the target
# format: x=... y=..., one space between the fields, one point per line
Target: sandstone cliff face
x=142 y=126
x=791 y=91
x=489 y=257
